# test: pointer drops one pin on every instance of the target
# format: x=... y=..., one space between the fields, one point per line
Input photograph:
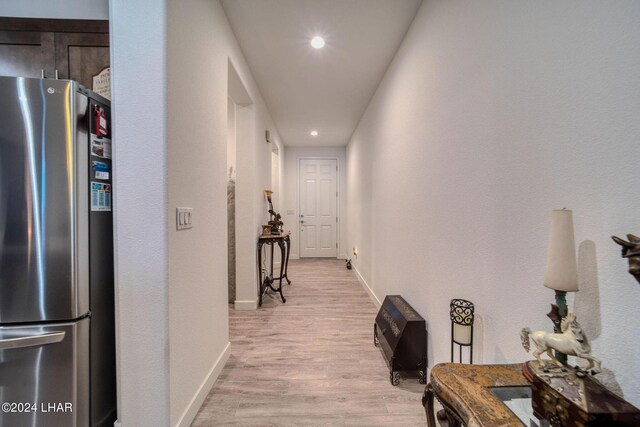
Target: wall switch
x=184 y=218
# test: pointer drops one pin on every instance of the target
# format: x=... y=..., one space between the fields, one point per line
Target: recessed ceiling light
x=314 y=133
x=317 y=42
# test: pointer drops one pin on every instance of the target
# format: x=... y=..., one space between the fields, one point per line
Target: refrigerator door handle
x=31 y=340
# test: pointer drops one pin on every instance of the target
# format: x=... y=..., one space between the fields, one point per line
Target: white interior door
x=318 y=208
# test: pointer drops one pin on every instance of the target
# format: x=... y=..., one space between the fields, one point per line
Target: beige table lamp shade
x=561 y=273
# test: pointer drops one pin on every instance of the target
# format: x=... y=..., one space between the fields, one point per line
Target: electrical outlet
x=355 y=251
x=184 y=218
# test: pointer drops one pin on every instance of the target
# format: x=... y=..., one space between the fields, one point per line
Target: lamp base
x=557 y=313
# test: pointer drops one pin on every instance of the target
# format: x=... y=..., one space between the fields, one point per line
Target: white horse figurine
x=572 y=341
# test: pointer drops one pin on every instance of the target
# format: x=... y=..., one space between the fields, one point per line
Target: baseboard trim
x=294 y=256
x=367 y=288
x=192 y=410
x=246 y=305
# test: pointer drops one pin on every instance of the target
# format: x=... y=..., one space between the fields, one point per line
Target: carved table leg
x=287 y=242
x=444 y=415
x=281 y=244
x=428 y=399
x=271 y=266
x=427 y=402
x=451 y=420
x=259 y=262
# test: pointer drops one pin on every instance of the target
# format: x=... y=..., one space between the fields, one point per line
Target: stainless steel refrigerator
x=57 y=328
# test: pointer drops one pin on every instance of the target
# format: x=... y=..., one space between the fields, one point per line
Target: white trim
x=339 y=220
x=246 y=305
x=367 y=288
x=190 y=413
x=293 y=256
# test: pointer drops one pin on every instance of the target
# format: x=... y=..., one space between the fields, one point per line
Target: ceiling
x=324 y=89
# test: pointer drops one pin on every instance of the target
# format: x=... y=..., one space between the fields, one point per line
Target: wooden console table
x=266 y=281
x=463 y=390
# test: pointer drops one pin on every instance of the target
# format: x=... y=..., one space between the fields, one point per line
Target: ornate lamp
x=461 y=312
x=561 y=274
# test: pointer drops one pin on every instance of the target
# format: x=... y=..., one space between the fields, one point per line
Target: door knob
x=301 y=222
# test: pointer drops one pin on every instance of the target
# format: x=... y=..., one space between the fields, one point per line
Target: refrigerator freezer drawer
x=44 y=375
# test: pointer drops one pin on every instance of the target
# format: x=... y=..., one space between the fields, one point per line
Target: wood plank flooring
x=311 y=361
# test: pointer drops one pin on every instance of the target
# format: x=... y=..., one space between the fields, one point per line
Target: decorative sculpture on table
x=572 y=341
x=631 y=250
x=561 y=273
x=275 y=219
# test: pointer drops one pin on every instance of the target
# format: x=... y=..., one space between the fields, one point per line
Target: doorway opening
x=231 y=199
x=240 y=137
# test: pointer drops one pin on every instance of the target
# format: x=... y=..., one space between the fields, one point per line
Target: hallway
x=457 y=128
x=310 y=361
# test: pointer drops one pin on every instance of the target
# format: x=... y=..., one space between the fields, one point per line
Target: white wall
x=197 y=171
x=140 y=210
x=246 y=296
x=275 y=180
x=200 y=45
x=170 y=105
x=290 y=201
x=491 y=115
x=56 y=9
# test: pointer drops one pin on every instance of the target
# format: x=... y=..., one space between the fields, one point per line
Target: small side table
x=266 y=281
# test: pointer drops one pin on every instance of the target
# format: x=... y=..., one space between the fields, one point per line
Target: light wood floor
x=311 y=361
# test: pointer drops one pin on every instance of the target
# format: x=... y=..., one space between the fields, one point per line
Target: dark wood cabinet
x=77 y=49
x=80 y=56
x=26 y=53
x=401 y=334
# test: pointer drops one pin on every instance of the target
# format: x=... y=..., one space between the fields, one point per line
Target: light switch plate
x=184 y=218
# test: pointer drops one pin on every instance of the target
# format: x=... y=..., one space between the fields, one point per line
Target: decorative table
x=266 y=279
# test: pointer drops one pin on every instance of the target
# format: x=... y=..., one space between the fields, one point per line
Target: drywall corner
x=192 y=410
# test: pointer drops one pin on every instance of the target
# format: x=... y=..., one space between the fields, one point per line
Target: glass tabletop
x=518 y=400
